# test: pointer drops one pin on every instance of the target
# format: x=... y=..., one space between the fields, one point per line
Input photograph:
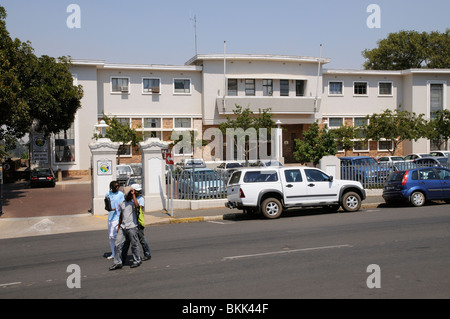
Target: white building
x=157 y=99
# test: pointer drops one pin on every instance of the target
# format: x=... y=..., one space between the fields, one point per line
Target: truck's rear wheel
x=271 y=208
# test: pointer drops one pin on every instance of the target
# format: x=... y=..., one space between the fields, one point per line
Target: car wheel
x=271 y=208
x=351 y=202
x=417 y=199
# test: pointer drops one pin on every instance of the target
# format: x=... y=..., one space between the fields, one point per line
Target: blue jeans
x=124 y=238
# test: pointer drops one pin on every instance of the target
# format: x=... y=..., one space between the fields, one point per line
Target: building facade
x=160 y=99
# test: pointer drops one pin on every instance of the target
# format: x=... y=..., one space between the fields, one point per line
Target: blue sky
x=161 y=32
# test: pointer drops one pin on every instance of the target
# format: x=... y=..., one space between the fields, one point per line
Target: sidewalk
x=35 y=226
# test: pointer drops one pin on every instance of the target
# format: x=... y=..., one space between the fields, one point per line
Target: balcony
x=278 y=105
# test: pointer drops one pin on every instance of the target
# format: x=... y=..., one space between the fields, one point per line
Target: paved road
x=297 y=256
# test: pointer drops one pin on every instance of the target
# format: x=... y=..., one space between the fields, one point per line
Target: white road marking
x=10 y=284
x=284 y=252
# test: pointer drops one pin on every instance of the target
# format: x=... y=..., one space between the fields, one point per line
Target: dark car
x=42 y=177
x=418 y=186
x=364 y=169
x=432 y=161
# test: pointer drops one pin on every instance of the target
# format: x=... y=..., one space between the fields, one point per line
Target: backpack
x=108 y=206
x=141 y=220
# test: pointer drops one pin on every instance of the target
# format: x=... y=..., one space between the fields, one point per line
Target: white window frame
x=367 y=88
x=336 y=94
x=183 y=93
x=151 y=78
x=385 y=149
x=182 y=128
x=444 y=97
x=392 y=88
x=119 y=77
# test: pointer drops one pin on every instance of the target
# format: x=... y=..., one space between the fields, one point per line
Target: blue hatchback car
x=418 y=185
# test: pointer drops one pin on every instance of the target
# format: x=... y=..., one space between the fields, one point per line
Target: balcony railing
x=278 y=105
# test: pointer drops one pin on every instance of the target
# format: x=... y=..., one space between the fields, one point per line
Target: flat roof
x=197 y=60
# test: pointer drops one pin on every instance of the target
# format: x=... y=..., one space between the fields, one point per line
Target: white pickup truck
x=270 y=190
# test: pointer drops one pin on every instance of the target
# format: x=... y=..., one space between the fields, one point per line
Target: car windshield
x=123 y=169
x=365 y=161
x=233 y=165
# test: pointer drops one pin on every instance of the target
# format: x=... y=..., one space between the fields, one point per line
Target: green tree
x=438 y=128
x=34 y=90
x=122 y=133
x=395 y=126
x=345 y=136
x=243 y=124
x=410 y=49
x=316 y=144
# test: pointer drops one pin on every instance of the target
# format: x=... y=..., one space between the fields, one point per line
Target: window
x=335 y=122
x=182 y=86
x=359 y=123
x=124 y=121
x=361 y=146
x=313 y=175
x=385 y=88
x=260 y=176
x=65 y=146
x=120 y=85
x=293 y=176
x=152 y=123
x=250 y=87
x=284 y=87
x=335 y=88
x=149 y=134
x=385 y=145
x=267 y=87
x=436 y=98
x=150 y=85
x=183 y=123
x=232 y=87
x=300 y=88
x=360 y=88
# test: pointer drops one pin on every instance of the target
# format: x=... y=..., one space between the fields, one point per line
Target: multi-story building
x=158 y=99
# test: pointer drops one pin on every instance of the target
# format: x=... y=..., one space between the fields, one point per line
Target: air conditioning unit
x=124 y=89
x=155 y=89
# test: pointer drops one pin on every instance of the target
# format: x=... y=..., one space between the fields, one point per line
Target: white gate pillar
x=153 y=173
x=103 y=163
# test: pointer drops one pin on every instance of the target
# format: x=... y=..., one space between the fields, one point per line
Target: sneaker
x=115 y=266
x=110 y=257
x=147 y=258
x=134 y=265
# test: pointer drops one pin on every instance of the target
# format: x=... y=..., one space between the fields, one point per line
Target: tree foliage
x=316 y=143
x=438 y=128
x=410 y=49
x=244 y=122
x=33 y=90
x=395 y=126
x=122 y=133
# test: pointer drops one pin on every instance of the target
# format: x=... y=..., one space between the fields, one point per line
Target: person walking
x=141 y=226
x=127 y=231
x=116 y=197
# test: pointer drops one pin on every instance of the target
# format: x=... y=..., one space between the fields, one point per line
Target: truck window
x=313 y=175
x=293 y=176
x=234 y=179
x=260 y=176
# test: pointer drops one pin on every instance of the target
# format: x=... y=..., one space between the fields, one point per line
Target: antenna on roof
x=194 y=20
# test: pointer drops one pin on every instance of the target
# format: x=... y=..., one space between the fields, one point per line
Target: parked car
x=364 y=169
x=267 y=163
x=228 y=167
x=42 y=177
x=390 y=159
x=270 y=190
x=200 y=183
x=418 y=185
x=123 y=173
x=194 y=163
x=432 y=161
x=411 y=157
x=440 y=153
